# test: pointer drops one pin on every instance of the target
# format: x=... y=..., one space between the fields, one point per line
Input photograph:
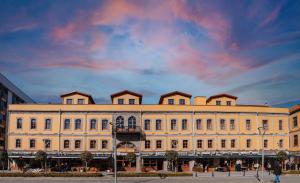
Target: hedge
x=291 y=172
x=19 y=174
x=154 y=174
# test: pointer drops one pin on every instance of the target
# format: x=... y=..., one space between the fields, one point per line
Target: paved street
x=220 y=179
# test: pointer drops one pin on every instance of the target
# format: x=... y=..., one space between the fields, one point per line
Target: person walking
x=277 y=171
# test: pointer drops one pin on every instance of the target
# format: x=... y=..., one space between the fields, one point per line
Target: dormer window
x=228 y=103
x=120 y=101
x=181 y=101
x=131 y=101
x=69 y=101
x=171 y=101
x=80 y=101
x=218 y=102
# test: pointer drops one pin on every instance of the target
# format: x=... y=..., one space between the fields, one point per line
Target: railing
x=126 y=129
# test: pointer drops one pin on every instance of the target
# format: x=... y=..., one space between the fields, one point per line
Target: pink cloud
x=272 y=16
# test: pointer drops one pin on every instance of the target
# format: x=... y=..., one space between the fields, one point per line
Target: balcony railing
x=126 y=129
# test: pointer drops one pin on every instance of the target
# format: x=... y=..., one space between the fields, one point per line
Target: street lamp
x=46 y=143
x=114 y=131
x=262 y=132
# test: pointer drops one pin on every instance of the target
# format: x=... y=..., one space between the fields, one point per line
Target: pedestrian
x=269 y=168
x=277 y=171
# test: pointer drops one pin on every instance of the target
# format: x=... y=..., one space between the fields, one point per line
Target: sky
x=248 y=48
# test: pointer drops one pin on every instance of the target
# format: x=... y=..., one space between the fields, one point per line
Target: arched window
x=132 y=122
x=120 y=122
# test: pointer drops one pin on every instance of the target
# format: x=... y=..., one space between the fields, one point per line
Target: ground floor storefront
x=150 y=162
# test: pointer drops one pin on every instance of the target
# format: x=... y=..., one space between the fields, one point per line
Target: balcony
x=126 y=133
x=129 y=130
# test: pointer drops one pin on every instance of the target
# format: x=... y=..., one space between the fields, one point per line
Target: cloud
x=272 y=16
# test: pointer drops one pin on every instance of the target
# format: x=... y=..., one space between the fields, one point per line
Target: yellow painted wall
x=223 y=101
x=176 y=99
x=58 y=113
x=126 y=98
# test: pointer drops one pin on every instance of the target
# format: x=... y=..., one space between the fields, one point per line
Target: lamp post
x=262 y=132
x=46 y=143
x=114 y=131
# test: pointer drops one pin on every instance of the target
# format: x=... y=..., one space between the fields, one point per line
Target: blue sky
x=250 y=49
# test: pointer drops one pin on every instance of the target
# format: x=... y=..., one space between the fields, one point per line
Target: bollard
x=212 y=173
x=244 y=172
x=229 y=173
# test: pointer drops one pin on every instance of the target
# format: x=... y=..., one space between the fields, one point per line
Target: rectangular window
x=47 y=143
x=18 y=143
x=223 y=143
x=174 y=144
x=232 y=143
x=248 y=124
x=147 y=144
x=222 y=124
x=248 y=143
x=199 y=144
x=232 y=124
x=131 y=101
x=218 y=102
x=280 y=143
x=295 y=140
x=104 y=144
x=47 y=124
x=173 y=124
x=184 y=124
x=265 y=124
x=80 y=101
x=32 y=143
x=92 y=144
x=209 y=124
x=182 y=101
x=77 y=144
x=185 y=144
x=209 y=143
x=77 y=124
x=67 y=124
x=265 y=143
x=93 y=124
x=228 y=103
x=280 y=125
x=171 y=101
x=19 y=123
x=33 y=124
x=69 y=101
x=158 y=124
x=104 y=124
x=147 y=124
x=198 y=124
x=120 y=101
x=66 y=144
x=295 y=122
x=158 y=144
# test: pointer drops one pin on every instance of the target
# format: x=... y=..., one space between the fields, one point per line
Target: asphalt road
x=220 y=179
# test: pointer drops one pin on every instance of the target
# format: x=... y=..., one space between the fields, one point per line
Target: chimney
x=200 y=100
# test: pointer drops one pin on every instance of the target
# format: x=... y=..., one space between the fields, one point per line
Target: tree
x=282 y=156
x=172 y=157
x=86 y=157
x=41 y=156
x=3 y=158
x=131 y=157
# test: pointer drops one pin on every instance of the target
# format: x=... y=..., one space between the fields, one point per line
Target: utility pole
x=114 y=131
x=262 y=133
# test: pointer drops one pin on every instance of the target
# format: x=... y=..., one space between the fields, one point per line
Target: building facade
x=295 y=132
x=9 y=94
x=207 y=131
